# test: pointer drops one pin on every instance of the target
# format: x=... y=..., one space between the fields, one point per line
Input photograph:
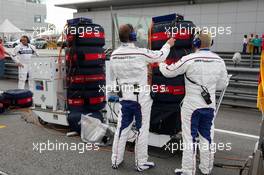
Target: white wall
x=244 y=17
x=21 y=13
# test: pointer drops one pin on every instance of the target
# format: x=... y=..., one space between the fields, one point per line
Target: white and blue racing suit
x=207 y=69
x=22 y=54
x=129 y=66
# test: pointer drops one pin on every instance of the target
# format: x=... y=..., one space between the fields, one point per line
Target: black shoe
x=114 y=166
x=179 y=173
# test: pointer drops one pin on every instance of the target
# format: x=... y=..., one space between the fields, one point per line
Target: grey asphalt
x=17 y=156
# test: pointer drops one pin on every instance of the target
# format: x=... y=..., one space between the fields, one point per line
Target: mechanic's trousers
x=132 y=111
x=23 y=73
x=197 y=123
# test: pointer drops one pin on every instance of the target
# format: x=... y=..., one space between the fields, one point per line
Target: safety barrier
x=242 y=90
x=247 y=60
x=11 y=70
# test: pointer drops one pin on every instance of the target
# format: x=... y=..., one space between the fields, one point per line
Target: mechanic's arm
x=175 y=69
x=153 y=56
x=6 y=53
x=35 y=52
x=223 y=79
x=112 y=96
x=111 y=74
x=15 y=54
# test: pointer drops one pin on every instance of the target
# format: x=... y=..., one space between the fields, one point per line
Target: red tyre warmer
x=174 y=56
x=85 y=79
x=182 y=31
x=19 y=97
x=85 y=56
x=170 y=90
x=85 y=35
x=81 y=101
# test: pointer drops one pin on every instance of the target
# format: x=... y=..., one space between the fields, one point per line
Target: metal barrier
x=243 y=87
x=242 y=90
x=11 y=70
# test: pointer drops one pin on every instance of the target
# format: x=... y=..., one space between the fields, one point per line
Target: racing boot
x=145 y=166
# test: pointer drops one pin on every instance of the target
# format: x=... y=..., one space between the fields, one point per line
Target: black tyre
x=165 y=118
x=174 y=56
x=86 y=78
x=85 y=56
x=171 y=90
x=81 y=101
x=183 y=30
x=86 y=35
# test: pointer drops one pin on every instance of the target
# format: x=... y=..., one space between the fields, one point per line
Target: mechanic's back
x=205 y=72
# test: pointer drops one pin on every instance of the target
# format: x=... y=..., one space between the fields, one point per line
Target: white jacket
x=129 y=66
x=22 y=54
x=203 y=67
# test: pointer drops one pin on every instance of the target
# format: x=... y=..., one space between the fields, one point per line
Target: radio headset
x=197 y=41
x=132 y=34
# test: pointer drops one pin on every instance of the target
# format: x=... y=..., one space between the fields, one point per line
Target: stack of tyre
x=165 y=113
x=85 y=62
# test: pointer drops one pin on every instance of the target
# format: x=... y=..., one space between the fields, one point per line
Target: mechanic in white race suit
x=22 y=56
x=205 y=72
x=129 y=68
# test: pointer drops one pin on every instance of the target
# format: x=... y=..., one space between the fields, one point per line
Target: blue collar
x=130 y=44
x=205 y=49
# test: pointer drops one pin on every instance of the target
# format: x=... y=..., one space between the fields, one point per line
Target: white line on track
x=237 y=133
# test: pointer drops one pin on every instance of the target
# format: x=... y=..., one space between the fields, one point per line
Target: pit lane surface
x=18 y=157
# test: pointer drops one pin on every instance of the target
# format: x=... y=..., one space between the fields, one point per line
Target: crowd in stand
x=252 y=44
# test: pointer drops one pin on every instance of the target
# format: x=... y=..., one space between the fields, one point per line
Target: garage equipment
x=48 y=78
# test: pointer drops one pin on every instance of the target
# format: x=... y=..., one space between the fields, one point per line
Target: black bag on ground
x=21 y=98
x=168 y=90
x=165 y=118
x=4 y=101
x=74 y=119
x=2 y=108
x=85 y=56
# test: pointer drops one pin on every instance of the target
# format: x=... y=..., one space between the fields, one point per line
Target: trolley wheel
x=42 y=122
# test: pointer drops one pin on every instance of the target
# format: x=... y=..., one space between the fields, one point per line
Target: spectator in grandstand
x=245 y=42
x=250 y=44
x=257 y=44
x=262 y=47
